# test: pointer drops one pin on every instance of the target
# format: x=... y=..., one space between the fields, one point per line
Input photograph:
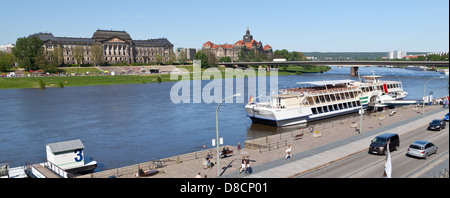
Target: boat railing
x=58 y=170
x=320 y=91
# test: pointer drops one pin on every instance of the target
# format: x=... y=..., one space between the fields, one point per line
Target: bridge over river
x=353 y=64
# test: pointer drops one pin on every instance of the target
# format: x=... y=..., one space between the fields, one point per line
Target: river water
x=122 y=125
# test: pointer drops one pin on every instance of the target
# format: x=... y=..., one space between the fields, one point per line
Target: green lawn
x=52 y=81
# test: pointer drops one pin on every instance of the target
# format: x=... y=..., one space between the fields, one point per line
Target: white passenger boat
x=324 y=99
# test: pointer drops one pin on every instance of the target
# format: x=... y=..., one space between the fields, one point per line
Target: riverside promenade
x=309 y=152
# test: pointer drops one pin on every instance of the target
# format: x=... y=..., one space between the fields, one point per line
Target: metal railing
x=58 y=170
x=444 y=174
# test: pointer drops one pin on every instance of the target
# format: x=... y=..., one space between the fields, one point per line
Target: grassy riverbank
x=53 y=81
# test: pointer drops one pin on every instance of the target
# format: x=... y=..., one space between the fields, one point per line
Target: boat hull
x=301 y=119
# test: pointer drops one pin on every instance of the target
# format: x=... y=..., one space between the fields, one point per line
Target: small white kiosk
x=69 y=156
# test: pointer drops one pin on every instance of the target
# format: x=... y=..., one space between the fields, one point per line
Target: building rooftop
x=65 y=146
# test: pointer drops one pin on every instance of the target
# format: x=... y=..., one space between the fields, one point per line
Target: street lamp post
x=361 y=111
x=424 y=91
x=217 y=132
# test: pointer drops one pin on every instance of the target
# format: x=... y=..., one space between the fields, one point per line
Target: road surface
x=365 y=165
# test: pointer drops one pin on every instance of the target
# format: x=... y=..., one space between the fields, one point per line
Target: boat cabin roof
x=327 y=82
x=373 y=79
x=288 y=95
x=65 y=146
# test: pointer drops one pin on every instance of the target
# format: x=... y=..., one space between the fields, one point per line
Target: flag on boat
x=250 y=99
x=388 y=164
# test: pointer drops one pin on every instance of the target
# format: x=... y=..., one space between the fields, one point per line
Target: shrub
x=159 y=79
x=41 y=84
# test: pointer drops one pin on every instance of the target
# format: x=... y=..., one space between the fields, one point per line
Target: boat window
x=325 y=109
x=328 y=98
x=333 y=98
x=314 y=110
x=310 y=100
x=322 y=99
x=354 y=103
x=320 y=109
x=335 y=106
x=345 y=105
x=340 y=106
x=349 y=104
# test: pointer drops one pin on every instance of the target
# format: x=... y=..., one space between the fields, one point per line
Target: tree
x=158 y=59
x=6 y=61
x=251 y=56
x=48 y=63
x=96 y=54
x=242 y=56
x=182 y=57
x=281 y=54
x=212 y=60
x=225 y=59
x=78 y=54
x=57 y=57
x=26 y=52
x=172 y=57
x=200 y=55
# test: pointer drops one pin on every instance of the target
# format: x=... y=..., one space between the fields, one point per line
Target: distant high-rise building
x=189 y=52
x=396 y=54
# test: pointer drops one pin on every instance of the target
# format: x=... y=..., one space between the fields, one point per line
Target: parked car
x=379 y=143
x=422 y=149
x=446 y=117
x=436 y=124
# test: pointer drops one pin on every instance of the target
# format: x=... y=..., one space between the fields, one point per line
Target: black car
x=436 y=124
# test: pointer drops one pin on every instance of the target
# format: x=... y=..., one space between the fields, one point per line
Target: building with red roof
x=247 y=44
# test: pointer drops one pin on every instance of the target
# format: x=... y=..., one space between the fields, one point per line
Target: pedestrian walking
x=248 y=169
x=311 y=129
x=239 y=149
x=243 y=165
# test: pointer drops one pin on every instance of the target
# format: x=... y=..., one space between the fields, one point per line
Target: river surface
x=122 y=125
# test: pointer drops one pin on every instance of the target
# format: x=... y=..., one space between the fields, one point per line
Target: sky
x=295 y=25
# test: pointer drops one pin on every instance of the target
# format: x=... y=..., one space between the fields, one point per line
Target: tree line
x=30 y=55
x=209 y=59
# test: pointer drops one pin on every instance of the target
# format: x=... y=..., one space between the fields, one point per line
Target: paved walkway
x=326 y=154
x=265 y=162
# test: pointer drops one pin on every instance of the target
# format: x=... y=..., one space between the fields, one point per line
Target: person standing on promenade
x=288 y=152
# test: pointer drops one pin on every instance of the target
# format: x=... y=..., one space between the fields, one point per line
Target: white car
x=422 y=149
